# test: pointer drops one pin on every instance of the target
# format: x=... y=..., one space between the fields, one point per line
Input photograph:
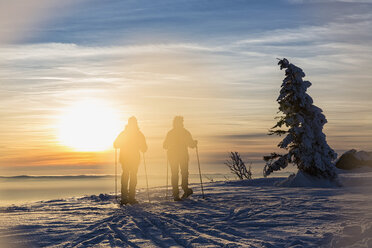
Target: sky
x=213 y=62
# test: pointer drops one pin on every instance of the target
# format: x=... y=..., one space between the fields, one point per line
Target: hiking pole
x=147 y=180
x=166 y=190
x=116 y=173
x=200 y=175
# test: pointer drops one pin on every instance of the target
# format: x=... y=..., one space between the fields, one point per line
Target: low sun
x=88 y=126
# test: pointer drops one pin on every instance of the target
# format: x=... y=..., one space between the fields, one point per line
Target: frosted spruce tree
x=302 y=125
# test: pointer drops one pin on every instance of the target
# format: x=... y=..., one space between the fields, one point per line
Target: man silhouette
x=130 y=142
x=177 y=142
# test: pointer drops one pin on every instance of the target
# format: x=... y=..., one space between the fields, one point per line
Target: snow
x=301 y=179
x=252 y=213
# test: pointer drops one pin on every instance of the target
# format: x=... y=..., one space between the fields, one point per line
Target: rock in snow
x=353 y=160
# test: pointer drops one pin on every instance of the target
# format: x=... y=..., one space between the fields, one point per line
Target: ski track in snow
x=234 y=214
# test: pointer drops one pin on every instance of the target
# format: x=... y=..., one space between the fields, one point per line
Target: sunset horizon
x=185 y=123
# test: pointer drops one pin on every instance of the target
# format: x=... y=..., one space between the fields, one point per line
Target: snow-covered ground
x=252 y=213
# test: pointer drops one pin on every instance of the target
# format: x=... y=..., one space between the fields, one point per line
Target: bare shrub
x=238 y=167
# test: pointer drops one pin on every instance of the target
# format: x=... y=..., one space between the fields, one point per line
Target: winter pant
x=129 y=175
x=175 y=164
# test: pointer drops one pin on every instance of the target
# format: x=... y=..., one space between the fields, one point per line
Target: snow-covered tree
x=302 y=123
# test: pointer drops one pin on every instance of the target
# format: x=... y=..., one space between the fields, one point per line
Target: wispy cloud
x=329 y=1
x=22 y=19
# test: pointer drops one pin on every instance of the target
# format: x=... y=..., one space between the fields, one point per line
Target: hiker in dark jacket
x=131 y=142
x=177 y=142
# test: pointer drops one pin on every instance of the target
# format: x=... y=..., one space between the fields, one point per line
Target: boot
x=132 y=196
x=124 y=198
x=187 y=193
x=132 y=201
x=124 y=202
x=176 y=198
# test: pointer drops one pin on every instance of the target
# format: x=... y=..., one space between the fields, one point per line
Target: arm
x=118 y=141
x=143 y=145
x=166 y=142
x=190 y=141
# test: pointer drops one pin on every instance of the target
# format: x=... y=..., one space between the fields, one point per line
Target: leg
x=185 y=174
x=133 y=181
x=174 y=171
x=124 y=183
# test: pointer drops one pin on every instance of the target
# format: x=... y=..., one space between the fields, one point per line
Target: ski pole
x=200 y=175
x=147 y=181
x=116 y=173
x=166 y=190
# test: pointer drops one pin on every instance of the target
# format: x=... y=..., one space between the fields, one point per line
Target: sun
x=89 y=125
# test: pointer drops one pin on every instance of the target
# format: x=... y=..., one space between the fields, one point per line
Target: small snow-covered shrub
x=302 y=124
x=238 y=167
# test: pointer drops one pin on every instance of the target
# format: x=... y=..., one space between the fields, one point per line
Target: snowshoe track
x=253 y=217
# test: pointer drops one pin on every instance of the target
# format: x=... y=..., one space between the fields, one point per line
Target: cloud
x=242 y=136
x=313 y=35
x=224 y=80
x=20 y=19
x=328 y=1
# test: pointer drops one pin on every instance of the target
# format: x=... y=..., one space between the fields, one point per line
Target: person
x=177 y=142
x=130 y=142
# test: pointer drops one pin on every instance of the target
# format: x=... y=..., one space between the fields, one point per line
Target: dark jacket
x=177 y=142
x=130 y=142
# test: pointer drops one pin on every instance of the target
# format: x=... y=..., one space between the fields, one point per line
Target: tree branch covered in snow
x=238 y=167
x=302 y=123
